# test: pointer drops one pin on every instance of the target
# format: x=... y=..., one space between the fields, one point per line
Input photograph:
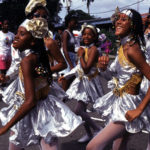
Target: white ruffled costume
x=145 y=82
x=114 y=105
x=85 y=87
x=50 y=118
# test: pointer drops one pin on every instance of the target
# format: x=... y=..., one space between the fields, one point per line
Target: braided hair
x=43 y=68
x=137 y=26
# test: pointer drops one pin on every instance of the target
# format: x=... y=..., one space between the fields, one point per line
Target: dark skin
x=92 y=52
x=88 y=38
x=139 y=61
x=5 y=26
x=27 y=65
x=71 y=25
x=53 y=49
x=134 y=55
x=56 y=54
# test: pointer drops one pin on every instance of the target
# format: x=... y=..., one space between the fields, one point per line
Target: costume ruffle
x=85 y=87
x=50 y=118
x=113 y=107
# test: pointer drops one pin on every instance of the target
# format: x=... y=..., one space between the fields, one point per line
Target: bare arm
x=54 y=51
x=136 y=57
x=27 y=65
x=65 y=49
x=92 y=58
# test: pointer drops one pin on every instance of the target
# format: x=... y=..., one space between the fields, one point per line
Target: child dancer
x=86 y=87
x=33 y=114
x=127 y=71
x=37 y=9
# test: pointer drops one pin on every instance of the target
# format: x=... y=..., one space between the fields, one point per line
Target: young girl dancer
x=86 y=87
x=33 y=114
x=37 y=9
x=127 y=71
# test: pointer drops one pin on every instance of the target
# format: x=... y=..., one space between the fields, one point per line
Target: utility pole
x=138 y=5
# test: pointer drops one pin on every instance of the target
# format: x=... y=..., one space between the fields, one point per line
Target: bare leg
x=45 y=146
x=81 y=110
x=111 y=132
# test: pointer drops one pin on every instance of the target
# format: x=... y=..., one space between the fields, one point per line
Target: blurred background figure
x=147 y=25
x=106 y=46
x=6 y=39
x=58 y=33
x=68 y=46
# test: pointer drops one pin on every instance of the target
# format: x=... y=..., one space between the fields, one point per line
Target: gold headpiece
x=89 y=26
x=38 y=27
x=34 y=3
x=115 y=15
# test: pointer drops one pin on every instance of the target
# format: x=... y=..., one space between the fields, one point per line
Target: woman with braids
x=33 y=114
x=124 y=107
x=37 y=9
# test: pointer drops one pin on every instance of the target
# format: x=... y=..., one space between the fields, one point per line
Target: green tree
x=82 y=15
x=14 y=10
x=88 y=2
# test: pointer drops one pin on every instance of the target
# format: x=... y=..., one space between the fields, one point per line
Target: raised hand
x=103 y=62
x=61 y=78
x=3 y=78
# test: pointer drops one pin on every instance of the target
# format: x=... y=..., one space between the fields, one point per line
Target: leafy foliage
x=82 y=15
x=14 y=10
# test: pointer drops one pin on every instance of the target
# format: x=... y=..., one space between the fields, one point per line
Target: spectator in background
x=68 y=42
x=58 y=35
x=37 y=9
x=6 y=39
x=106 y=46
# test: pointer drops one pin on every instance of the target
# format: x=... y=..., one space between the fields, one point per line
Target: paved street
x=135 y=142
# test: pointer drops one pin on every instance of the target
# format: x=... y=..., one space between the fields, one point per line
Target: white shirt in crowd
x=6 y=40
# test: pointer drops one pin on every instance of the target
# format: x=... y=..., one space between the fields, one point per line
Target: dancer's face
x=88 y=36
x=23 y=39
x=122 y=25
x=41 y=13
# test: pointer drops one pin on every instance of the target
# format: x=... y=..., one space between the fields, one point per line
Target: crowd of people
x=36 y=112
